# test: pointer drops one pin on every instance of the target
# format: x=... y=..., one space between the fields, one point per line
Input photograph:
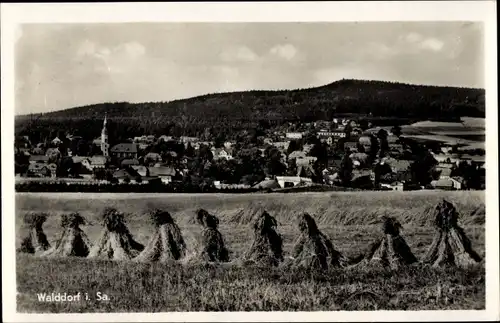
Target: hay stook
x=391 y=250
x=36 y=240
x=73 y=241
x=167 y=243
x=267 y=247
x=213 y=247
x=314 y=249
x=116 y=241
x=450 y=246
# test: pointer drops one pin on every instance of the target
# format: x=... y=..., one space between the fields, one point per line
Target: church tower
x=104 y=139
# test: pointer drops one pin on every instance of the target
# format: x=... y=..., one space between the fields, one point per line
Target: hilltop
x=381 y=99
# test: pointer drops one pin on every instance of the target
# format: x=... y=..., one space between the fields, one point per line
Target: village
x=336 y=153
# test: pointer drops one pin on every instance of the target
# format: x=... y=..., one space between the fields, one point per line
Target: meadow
x=350 y=219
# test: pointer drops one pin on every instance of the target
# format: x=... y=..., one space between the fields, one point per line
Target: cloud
x=414 y=37
x=287 y=51
x=238 y=54
x=432 y=44
x=110 y=60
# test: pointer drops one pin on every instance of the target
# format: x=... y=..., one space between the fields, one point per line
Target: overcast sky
x=63 y=66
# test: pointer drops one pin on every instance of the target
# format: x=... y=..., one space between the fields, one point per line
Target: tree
x=396 y=130
x=293 y=146
x=345 y=172
x=383 y=144
x=421 y=169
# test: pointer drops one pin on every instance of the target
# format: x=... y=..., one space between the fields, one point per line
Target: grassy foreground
x=349 y=219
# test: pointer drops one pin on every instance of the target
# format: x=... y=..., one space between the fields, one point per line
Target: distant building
x=220 y=153
x=186 y=139
x=38 y=159
x=281 y=145
x=98 y=162
x=294 y=135
x=351 y=146
x=124 y=150
x=166 y=174
x=297 y=154
x=129 y=162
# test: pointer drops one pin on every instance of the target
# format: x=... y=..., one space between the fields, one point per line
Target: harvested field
x=349 y=220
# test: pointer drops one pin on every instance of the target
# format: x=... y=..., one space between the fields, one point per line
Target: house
x=39 y=170
x=445 y=173
x=297 y=154
x=124 y=150
x=305 y=161
x=129 y=162
x=166 y=174
x=186 y=139
x=291 y=181
x=56 y=141
x=122 y=175
x=294 y=135
x=152 y=158
x=165 y=138
x=98 y=162
x=399 y=165
x=458 y=182
x=229 y=144
x=141 y=170
x=443 y=184
x=37 y=159
x=351 y=146
x=220 y=153
x=281 y=145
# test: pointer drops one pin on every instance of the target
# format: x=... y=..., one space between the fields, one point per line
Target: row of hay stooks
x=313 y=249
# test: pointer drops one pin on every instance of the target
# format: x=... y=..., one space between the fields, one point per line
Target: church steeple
x=104 y=138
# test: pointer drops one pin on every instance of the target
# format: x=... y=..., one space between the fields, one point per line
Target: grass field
x=349 y=219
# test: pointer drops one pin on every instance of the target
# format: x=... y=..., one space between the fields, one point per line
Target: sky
x=60 y=66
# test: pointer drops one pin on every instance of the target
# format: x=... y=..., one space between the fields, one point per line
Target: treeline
x=244 y=110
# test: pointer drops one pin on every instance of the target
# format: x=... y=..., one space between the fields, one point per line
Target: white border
x=13 y=14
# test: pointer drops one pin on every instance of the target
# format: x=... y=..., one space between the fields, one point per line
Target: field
x=349 y=219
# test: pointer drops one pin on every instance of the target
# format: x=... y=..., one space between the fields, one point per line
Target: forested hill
x=384 y=99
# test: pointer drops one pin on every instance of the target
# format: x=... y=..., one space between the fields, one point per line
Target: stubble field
x=349 y=219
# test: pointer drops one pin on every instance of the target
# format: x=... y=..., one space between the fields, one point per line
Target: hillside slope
x=385 y=99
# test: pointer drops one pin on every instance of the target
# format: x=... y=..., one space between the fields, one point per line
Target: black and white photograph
x=298 y=166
